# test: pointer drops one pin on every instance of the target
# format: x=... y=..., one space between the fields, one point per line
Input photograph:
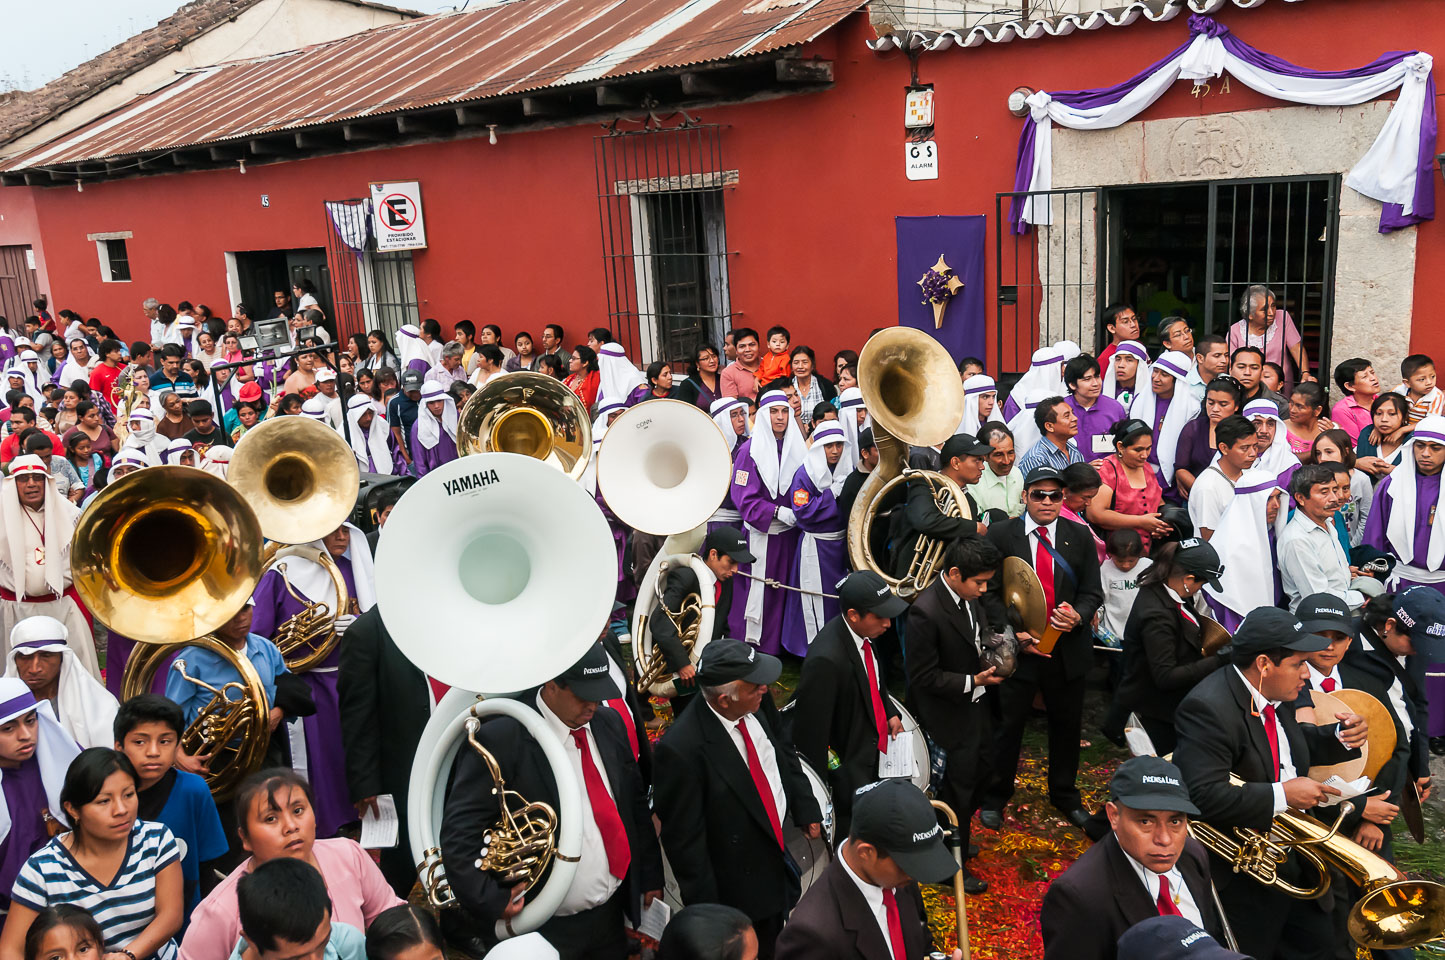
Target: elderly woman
x=1263 y=325
x=175 y=421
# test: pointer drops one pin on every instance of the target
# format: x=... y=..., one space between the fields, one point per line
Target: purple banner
x=962 y=242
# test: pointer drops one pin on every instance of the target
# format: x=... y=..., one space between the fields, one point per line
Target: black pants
x=595 y=934
x=1161 y=734
x=767 y=930
x=1271 y=925
x=1064 y=701
x=968 y=766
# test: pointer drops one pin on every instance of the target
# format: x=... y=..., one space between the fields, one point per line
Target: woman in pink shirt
x=275 y=818
x=1271 y=330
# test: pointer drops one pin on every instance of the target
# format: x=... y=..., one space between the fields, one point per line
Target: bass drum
x=922 y=760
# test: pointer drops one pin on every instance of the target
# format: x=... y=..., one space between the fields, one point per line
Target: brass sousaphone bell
x=527 y=413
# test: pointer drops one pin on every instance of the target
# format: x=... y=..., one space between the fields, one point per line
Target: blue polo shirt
x=191 y=815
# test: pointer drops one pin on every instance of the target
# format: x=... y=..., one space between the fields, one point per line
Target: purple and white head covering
x=54 y=748
x=850 y=401
x=314 y=409
x=1242 y=542
x=428 y=427
x=605 y=409
x=617 y=377
x=87 y=709
x=722 y=414
x=1181 y=410
x=1277 y=458
x=175 y=449
x=128 y=457
x=368 y=444
x=414 y=353
x=1044 y=378
x=776 y=468
x=1136 y=350
x=312 y=581
x=815 y=462
x=1400 y=532
x=975 y=388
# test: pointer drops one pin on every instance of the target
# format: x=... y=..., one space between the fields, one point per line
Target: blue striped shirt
x=125 y=906
x=1044 y=453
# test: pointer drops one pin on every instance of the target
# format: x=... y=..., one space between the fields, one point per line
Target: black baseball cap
x=411 y=380
x=866 y=591
x=1042 y=473
x=1267 y=628
x=728 y=542
x=1325 y=611
x=590 y=677
x=962 y=445
x=1420 y=613
x=1172 y=938
x=896 y=817
x=1148 y=783
x=865 y=439
x=725 y=660
x=1181 y=527
x=1199 y=558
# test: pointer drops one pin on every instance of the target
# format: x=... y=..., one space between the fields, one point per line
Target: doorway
x=259 y=273
x=18 y=284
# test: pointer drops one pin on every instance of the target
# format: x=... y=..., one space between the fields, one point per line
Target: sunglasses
x=1046 y=496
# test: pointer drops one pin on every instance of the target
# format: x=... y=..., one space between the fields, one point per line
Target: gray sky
x=43 y=40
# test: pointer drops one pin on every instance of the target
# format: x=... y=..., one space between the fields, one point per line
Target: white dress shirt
x=1178 y=889
x=767 y=756
x=593 y=884
x=972 y=632
x=1397 y=693
x=872 y=895
x=1311 y=560
x=1286 y=761
x=1030 y=526
x=1317 y=680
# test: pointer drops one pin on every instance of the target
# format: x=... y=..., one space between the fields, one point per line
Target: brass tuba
x=912 y=391
x=1393 y=912
x=308 y=637
x=531 y=414
x=233 y=727
x=653 y=677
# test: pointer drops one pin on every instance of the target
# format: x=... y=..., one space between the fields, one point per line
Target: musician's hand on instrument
x=895 y=727
x=1423 y=785
x=649 y=897
x=686 y=674
x=813 y=831
x=987 y=678
x=1302 y=793
x=982 y=528
x=518 y=901
x=1065 y=617
x=1379 y=810
x=199 y=763
x=275 y=718
x=1369 y=836
x=365 y=804
x=344 y=621
x=1354 y=729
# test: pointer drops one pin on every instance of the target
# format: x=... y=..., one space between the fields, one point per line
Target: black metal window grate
x=117 y=260
x=660 y=196
x=370 y=289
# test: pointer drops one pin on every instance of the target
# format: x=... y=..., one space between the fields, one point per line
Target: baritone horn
x=530 y=414
x=299 y=476
x=309 y=636
x=911 y=389
x=166 y=554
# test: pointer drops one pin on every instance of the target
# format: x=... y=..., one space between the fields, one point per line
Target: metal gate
x=1050 y=280
x=370 y=289
x=660 y=197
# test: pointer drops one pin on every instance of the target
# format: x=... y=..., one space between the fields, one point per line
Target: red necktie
x=716 y=591
x=1272 y=732
x=628 y=724
x=895 y=925
x=760 y=781
x=880 y=719
x=1329 y=684
x=1044 y=567
x=1167 y=906
x=604 y=809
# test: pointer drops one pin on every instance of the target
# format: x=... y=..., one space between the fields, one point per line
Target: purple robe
x=1010 y=408
x=1161 y=409
x=325 y=755
x=398 y=465
x=424 y=461
x=25 y=799
x=818 y=514
x=626 y=589
x=759 y=510
x=1096 y=421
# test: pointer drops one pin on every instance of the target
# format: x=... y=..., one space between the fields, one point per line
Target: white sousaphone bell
x=469 y=580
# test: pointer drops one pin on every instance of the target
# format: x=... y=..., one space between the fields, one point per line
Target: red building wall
x=513 y=228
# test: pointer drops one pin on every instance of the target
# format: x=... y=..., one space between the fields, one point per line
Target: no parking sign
x=397 y=217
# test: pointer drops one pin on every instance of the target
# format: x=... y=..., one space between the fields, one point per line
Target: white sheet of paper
x=1349 y=789
x=654 y=919
x=380 y=830
x=898 y=761
x=1103 y=444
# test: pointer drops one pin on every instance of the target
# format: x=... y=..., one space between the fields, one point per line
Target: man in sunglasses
x=1062 y=553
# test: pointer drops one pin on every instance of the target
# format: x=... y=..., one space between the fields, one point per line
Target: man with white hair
x=41 y=656
x=37 y=525
x=151 y=307
x=449 y=368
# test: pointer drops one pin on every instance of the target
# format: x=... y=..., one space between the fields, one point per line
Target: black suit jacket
x=942 y=658
x=834 y=709
x=715 y=831
x=1088 y=908
x=634 y=715
x=1380 y=664
x=681 y=581
x=385 y=705
x=834 y=922
x=921 y=517
x=471 y=809
x=1162 y=661
x=1074 y=653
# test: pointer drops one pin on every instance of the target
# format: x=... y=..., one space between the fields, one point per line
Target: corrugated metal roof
x=438 y=61
x=1005 y=31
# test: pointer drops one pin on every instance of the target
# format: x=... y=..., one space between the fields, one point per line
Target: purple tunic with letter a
x=759 y=509
x=1427 y=497
x=818 y=514
x=424 y=461
x=325 y=759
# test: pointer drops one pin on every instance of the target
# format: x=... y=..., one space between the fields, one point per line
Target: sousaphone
x=530 y=414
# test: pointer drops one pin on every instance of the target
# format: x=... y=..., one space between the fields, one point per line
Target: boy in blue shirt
x=148 y=731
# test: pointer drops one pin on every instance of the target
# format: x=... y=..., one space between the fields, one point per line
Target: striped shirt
x=125 y=906
x=1045 y=454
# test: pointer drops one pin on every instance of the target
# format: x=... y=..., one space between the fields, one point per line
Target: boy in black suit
x=1062 y=553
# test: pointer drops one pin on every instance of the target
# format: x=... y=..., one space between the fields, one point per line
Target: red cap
x=249 y=391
